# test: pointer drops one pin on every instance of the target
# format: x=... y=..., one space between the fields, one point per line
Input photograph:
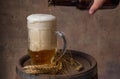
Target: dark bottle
x=83 y=4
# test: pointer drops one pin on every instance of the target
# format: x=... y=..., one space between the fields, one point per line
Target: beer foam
x=41 y=32
x=40 y=18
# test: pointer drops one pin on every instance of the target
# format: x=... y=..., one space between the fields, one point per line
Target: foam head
x=40 y=18
x=41 y=31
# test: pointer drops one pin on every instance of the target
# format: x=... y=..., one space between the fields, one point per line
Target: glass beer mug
x=42 y=38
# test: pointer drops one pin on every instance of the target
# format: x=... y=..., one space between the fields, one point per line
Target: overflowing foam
x=40 y=17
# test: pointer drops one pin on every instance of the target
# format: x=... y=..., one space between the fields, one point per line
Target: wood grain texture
x=97 y=35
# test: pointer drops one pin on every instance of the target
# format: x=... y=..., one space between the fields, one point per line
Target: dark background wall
x=97 y=35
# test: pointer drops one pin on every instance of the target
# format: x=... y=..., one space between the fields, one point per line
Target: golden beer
x=42 y=57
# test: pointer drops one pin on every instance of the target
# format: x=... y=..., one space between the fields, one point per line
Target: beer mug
x=42 y=38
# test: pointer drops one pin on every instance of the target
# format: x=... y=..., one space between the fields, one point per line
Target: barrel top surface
x=88 y=62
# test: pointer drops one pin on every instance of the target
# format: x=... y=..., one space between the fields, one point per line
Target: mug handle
x=61 y=34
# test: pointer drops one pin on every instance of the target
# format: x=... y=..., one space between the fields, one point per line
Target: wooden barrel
x=88 y=72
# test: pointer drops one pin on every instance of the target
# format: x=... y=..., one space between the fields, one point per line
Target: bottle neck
x=63 y=2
